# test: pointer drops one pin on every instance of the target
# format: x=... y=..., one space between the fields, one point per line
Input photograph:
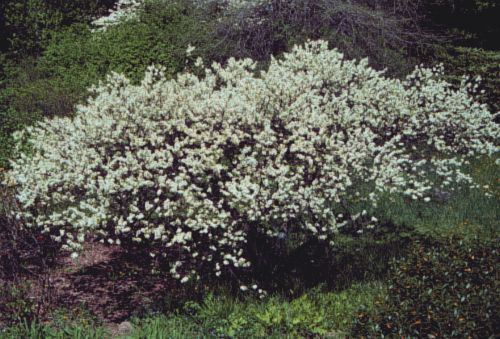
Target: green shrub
x=161 y=36
x=439 y=290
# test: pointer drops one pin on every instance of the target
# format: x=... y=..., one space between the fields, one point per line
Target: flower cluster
x=128 y=9
x=124 y=10
x=190 y=166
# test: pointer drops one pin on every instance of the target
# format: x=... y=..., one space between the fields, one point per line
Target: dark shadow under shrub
x=282 y=266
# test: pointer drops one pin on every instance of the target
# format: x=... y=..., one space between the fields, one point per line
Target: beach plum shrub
x=190 y=166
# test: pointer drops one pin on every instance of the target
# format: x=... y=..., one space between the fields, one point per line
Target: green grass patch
x=314 y=313
x=466 y=212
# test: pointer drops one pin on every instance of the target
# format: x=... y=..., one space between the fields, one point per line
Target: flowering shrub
x=189 y=167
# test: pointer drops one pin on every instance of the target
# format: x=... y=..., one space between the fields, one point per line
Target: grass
x=64 y=324
x=40 y=331
x=468 y=212
x=314 y=313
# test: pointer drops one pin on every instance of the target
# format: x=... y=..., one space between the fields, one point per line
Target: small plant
x=16 y=303
x=317 y=313
x=40 y=331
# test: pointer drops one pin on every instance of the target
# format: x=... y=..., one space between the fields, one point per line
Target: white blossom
x=123 y=10
x=192 y=165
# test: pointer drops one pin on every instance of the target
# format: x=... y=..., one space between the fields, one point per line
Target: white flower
x=124 y=10
x=190 y=49
x=313 y=130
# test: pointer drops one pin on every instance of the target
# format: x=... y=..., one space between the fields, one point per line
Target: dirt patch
x=109 y=283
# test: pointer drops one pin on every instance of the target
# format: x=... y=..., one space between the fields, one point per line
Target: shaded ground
x=113 y=285
x=104 y=280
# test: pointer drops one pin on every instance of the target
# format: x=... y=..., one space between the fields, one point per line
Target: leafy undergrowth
x=439 y=290
x=315 y=313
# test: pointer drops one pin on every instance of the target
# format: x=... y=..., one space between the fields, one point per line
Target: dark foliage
x=448 y=289
x=28 y=25
x=472 y=23
x=389 y=35
x=24 y=257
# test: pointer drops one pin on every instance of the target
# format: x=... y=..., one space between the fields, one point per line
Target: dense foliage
x=474 y=62
x=27 y=26
x=472 y=23
x=261 y=28
x=359 y=29
x=191 y=166
x=447 y=289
